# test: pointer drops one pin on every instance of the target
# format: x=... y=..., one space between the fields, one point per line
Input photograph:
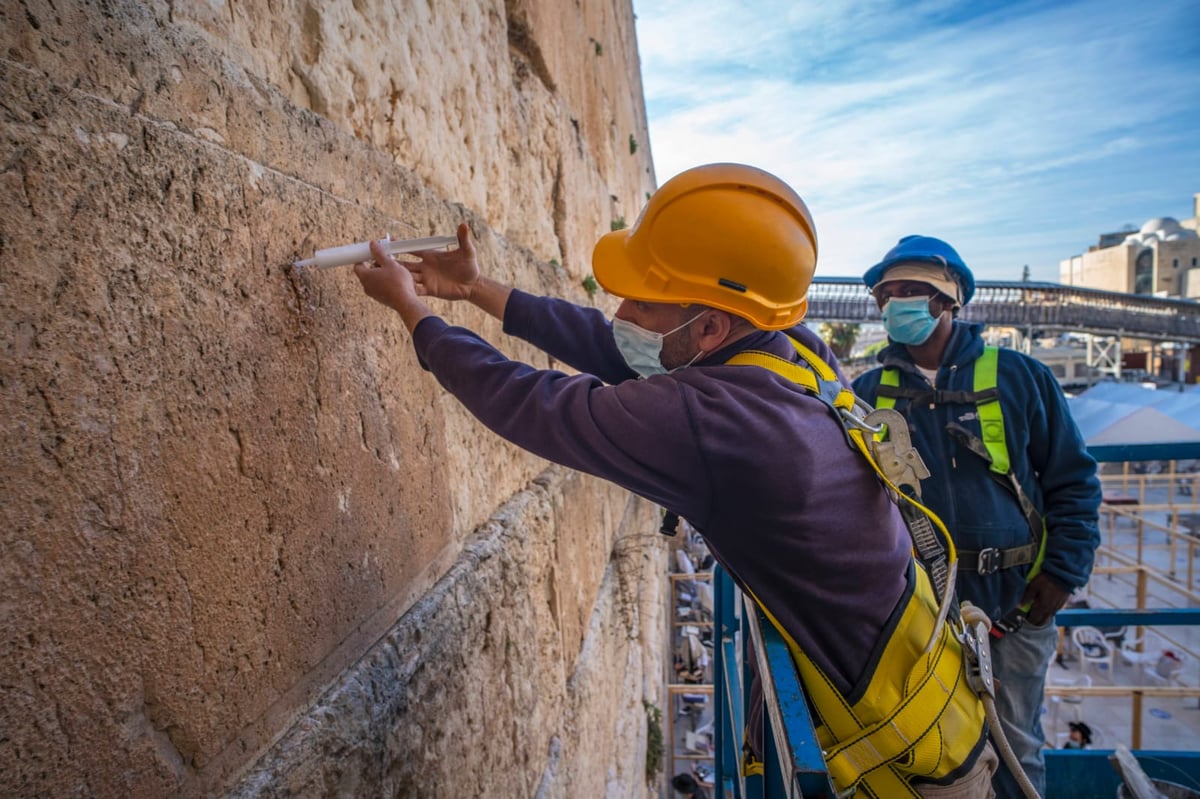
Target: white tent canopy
x=1126 y=413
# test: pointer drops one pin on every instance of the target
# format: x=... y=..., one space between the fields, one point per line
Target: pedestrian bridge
x=1030 y=307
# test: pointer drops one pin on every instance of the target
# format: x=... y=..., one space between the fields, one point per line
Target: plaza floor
x=1146 y=561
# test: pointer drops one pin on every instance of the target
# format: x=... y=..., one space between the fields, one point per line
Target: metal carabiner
x=898 y=459
x=849 y=417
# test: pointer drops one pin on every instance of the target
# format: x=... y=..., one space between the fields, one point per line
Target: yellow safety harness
x=992 y=447
x=919 y=716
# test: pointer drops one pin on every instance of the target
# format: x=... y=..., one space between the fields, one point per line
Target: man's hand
x=447 y=275
x=1047 y=596
x=452 y=275
x=389 y=282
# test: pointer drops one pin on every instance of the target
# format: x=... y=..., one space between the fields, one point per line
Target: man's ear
x=715 y=328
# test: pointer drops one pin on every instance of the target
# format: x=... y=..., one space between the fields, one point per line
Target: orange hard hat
x=729 y=236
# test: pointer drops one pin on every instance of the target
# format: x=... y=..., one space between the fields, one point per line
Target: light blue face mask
x=907 y=320
x=642 y=348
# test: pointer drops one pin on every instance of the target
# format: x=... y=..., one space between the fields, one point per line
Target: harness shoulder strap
x=935 y=552
x=994 y=444
x=818 y=379
x=890 y=378
x=991 y=417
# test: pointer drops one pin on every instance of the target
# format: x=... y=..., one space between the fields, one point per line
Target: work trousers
x=1019 y=663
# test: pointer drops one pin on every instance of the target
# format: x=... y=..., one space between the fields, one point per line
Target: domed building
x=1162 y=258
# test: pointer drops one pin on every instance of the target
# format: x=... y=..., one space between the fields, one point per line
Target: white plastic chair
x=1069 y=703
x=1160 y=662
x=1093 y=648
x=1140 y=651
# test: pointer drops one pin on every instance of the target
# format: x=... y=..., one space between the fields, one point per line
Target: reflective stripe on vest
x=917 y=716
x=991 y=416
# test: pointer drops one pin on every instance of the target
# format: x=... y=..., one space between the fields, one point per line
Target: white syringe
x=353 y=253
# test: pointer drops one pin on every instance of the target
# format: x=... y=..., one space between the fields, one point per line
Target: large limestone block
x=520 y=110
x=471 y=694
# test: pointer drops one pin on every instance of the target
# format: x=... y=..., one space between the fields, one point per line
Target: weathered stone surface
x=224 y=479
x=471 y=698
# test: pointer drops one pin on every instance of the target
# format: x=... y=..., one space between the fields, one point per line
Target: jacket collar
x=772 y=341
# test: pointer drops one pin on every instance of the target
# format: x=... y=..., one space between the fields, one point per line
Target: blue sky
x=1019 y=132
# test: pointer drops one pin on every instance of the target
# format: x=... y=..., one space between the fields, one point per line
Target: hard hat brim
x=925 y=249
x=930 y=273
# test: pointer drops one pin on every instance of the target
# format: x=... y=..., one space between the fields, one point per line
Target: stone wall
x=251 y=548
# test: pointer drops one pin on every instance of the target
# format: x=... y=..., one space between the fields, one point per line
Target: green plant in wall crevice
x=591 y=286
x=654 y=741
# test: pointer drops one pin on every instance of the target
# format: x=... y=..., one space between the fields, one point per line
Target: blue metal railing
x=793 y=765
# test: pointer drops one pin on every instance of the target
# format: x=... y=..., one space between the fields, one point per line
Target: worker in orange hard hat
x=705 y=395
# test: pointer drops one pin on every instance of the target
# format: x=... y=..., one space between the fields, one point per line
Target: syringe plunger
x=361 y=251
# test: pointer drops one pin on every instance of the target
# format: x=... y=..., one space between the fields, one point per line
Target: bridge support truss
x=1104 y=355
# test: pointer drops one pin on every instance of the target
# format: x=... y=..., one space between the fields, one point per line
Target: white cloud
x=891 y=119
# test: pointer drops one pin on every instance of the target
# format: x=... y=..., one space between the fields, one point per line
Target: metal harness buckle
x=990 y=560
x=977 y=659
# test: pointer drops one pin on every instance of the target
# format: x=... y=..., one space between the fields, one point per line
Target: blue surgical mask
x=907 y=320
x=642 y=348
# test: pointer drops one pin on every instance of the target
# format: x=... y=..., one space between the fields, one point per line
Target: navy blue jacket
x=1047 y=455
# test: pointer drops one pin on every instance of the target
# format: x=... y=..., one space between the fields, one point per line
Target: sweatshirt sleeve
x=579 y=337
x=637 y=434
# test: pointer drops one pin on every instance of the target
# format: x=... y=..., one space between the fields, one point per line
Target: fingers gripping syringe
x=353 y=253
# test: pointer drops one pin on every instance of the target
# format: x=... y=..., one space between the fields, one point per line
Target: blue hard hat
x=929 y=250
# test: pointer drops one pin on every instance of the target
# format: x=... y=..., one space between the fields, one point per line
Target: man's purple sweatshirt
x=758 y=466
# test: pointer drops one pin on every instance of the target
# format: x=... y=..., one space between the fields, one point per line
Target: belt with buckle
x=993 y=559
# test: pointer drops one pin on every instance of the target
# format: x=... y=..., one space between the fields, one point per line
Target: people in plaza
x=1010 y=475
x=687 y=786
x=1079 y=737
x=704 y=394
x=692 y=657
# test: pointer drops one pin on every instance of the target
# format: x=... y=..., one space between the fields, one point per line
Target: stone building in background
x=1160 y=259
x=250 y=547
